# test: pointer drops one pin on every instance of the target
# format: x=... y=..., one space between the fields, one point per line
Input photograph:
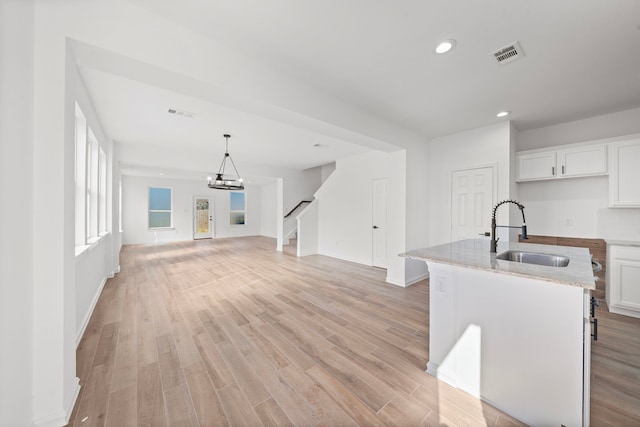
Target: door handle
x=486 y=234
x=375 y=227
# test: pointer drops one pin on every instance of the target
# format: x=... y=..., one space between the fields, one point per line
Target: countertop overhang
x=474 y=254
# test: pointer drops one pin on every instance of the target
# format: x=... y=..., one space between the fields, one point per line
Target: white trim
x=407 y=282
x=85 y=321
x=396 y=282
x=61 y=418
x=95 y=241
x=307 y=253
x=416 y=279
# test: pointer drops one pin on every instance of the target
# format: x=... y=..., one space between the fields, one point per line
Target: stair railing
x=297 y=206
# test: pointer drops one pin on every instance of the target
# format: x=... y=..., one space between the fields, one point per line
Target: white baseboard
x=407 y=283
x=61 y=418
x=417 y=279
x=72 y=402
x=307 y=253
x=87 y=316
x=432 y=369
x=395 y=281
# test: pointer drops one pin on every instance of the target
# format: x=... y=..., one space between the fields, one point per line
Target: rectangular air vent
x=180 y=113
x=508 y=53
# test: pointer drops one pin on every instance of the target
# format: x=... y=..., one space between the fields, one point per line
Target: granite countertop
x=474 y=253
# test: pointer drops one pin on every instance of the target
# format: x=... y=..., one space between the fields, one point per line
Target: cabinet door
x=624 y=174
x=583 y=161
x=533 y=166
x=624 y=280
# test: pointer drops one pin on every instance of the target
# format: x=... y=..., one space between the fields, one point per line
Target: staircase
x=290 y=226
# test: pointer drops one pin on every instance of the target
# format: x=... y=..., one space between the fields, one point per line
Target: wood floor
x=231 y=332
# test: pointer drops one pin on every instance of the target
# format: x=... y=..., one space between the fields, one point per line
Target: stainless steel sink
x=534 y=258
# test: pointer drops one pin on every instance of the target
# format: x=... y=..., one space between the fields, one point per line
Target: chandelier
x=223 y=181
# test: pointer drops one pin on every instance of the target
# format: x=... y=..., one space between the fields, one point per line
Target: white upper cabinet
x=624 y=179
x=558 y=163
x=583 y=161
x=534 y=166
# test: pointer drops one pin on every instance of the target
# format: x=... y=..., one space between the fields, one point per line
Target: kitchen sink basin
x=534 y=258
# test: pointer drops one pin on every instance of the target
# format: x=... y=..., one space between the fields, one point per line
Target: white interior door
x=202 y=218
x=380 y=189
x=472 y=199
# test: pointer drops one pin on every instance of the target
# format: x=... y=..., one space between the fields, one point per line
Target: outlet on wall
x=568 y=222
x=441 y=284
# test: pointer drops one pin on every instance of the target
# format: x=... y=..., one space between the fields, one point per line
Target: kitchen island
x=516 y=335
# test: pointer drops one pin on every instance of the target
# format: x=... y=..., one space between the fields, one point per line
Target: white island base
x=521 y=344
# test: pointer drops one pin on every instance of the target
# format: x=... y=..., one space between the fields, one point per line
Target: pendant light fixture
x=226 y=182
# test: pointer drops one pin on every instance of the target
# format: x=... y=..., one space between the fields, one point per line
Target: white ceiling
x=582 y=59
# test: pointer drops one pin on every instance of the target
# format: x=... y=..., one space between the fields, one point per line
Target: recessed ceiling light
x=161 y=173
x=445 y=46
x=503 y=113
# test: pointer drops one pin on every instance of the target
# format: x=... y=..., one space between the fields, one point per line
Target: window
x=102 y=192
x=81 y=177
x=237 y=208
x=91 y=175
x=160 y=202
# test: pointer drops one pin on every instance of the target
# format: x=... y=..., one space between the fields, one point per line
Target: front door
x=380 y=189
x=471 y=202
x=202 y=218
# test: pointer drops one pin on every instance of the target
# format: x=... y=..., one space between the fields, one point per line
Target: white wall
x=605 y=126
x=550 y=205
x=91 y=274
x=308 y=230
x=327 y=170
x=582 y=202
x=16 y=214
x=345 y=210
x=417 y=211
x=135 y=210
x=484 y=146
x=94 y=266
x=268 y=217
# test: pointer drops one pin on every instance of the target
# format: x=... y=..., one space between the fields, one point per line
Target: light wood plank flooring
x=231 y=332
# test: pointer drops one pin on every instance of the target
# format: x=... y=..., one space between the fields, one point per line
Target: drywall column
x=307 y=222
x=16 y=215
x=280 y=215
x=417 y=199
x=55 y=385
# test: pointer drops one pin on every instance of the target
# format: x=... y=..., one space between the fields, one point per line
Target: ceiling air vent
x=180 y=113
x=508 y=53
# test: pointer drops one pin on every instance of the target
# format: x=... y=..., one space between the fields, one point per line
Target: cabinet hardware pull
x=595 y=329
x=553 y=170
x=562 y=169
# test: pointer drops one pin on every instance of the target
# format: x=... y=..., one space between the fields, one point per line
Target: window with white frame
x=237 y=208
x=102 y=192
x=90 y=184
x=93 y=178
x=160 y=208
x=81 y=178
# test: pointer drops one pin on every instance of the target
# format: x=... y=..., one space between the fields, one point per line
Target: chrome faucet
x=494 y=239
